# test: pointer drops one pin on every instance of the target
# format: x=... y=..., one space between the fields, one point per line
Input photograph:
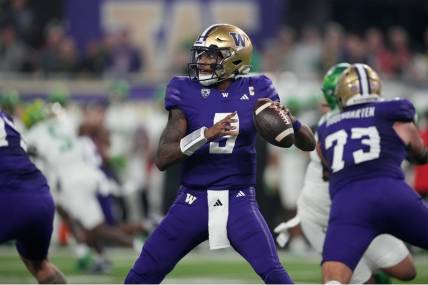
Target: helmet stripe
x=207 y=31
x=362 y=76
x=359 y=79
x=368 y=80
x=200 y=41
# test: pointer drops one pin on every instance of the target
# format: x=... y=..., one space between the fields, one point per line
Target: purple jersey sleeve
x=398 y=110
x=264 y=86
x=173 y=96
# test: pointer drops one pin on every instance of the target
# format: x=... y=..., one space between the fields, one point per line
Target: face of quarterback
x=207 y=62
x=221 y=52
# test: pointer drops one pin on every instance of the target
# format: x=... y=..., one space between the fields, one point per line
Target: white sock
x=81 y=250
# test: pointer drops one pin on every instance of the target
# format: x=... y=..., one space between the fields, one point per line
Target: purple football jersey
x=367 y=186
x=15 y=165
x=26 y=206
x=227 y=163
x=360 y=142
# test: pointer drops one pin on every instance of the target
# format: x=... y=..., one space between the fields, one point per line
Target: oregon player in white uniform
x=313 y=207
x=70 y=163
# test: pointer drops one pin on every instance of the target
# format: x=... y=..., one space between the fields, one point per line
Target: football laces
x=283 y=116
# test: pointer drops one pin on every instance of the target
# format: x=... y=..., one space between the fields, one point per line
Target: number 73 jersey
x=228 y=162
x=360 y=142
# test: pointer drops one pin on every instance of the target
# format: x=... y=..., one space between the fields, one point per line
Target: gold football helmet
x=229 y=45
x=358 y=84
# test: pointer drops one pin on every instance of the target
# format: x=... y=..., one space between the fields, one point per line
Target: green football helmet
x=34 y=113
x=330 y=81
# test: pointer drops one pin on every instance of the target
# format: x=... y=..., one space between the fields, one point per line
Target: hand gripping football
x=273 y=124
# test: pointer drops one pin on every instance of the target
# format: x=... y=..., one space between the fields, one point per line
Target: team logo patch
x=205 y=92
x=239 y=39
x=190 y=199
x=245 y=97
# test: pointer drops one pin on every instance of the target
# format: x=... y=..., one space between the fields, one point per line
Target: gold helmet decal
x=229 y=45
x=358 y=84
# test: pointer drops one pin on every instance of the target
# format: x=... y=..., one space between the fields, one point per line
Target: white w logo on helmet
x=238 y=38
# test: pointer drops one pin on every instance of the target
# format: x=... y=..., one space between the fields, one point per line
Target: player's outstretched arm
x=416 y=150
x=169 y=150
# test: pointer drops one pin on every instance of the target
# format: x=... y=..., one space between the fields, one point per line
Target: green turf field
x=201 y=266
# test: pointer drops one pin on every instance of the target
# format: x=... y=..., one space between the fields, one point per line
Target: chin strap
x=213 y=80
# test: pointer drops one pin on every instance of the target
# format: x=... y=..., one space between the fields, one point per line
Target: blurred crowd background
x=107 y=62
x=64 y=39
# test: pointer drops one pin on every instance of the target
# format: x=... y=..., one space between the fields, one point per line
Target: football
x=273 y=124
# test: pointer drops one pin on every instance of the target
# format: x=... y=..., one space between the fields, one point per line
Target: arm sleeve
x=264 y=87
x=401 y=110
x=173 y=96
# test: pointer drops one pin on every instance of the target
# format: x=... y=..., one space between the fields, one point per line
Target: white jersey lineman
x=313 y=208
x=70 y=163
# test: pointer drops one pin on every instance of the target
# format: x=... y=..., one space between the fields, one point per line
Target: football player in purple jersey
x=211 y=130
x=385 y=252
x=26 y=206
x=363 y=147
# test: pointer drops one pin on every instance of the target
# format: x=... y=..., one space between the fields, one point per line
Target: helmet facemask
x=229 y=49
x=208 y=73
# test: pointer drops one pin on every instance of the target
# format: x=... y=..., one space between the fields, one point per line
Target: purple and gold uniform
x=367 y=186
x=26 y=206
x=224 y=164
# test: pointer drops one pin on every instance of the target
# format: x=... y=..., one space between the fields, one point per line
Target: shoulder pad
x=398 y=109
x=173 y=94
x=325 y=117
x=263 y=87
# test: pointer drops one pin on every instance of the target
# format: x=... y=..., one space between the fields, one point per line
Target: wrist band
x=423 y=158
x=297 y=125
x=193 y=141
